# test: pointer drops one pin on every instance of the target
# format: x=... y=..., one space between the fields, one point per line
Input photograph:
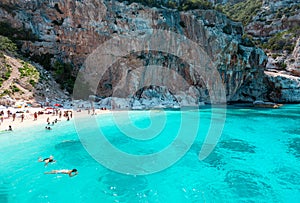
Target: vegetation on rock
x=7 y=45
x=63 y=75
x=283 y=40
x=30 y=72
x=243 y=11
x=5 y=72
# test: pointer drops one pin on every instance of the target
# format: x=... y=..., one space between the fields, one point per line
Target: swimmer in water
x=71 y=173
x=9 y=128
x=47 y=160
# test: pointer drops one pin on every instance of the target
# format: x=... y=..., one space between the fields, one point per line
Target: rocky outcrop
x=225 y=1
x=71 y=30
x=276 y=26
x=295 y=64
x=286 y=88
x=274 y=16
x=262 y=104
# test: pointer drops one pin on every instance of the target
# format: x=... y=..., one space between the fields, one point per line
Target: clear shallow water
x=257 y=159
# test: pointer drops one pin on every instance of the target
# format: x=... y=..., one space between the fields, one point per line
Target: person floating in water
x=71 y=173
x=47 y=160
x=48 y=128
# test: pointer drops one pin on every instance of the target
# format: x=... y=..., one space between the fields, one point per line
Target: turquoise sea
x=257 y=159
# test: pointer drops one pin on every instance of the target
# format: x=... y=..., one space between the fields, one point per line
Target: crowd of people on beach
x=11 y=116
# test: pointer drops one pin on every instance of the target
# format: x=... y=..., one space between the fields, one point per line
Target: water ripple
x=4 y=192
x=287 y=177
x=122 y=187
x=247 y=184
x=294 y=147
x=237 y=146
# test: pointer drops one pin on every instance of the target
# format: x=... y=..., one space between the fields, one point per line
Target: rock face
x=286 y=88
x=278 y=21
x=296 y=55
x=279 y=16
x=274 y=16
x=225 y=1
x=71 y=30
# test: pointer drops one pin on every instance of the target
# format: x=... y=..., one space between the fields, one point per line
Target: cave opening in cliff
x=152 y=74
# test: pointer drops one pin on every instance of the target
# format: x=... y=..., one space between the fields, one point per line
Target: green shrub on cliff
x=63 y=75
x=28 y=70
x=195 y=4
x=5 y=92
x=242 y=12
x=14 y=88
x=7 y=45
x=5 y=71
x=283 y=40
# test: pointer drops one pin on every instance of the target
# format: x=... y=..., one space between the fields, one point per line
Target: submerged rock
x=237 y=145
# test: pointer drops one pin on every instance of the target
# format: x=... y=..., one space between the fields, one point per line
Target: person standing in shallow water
x=14 y=116
x=22 y=117
x=35 y=116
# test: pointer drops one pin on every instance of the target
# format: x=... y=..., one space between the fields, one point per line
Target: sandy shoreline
x=29 y=121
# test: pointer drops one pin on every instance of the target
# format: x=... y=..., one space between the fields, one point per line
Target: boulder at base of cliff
x=262 y=104
x=286 y=88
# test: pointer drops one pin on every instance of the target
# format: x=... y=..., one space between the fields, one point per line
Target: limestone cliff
x=276 y=26
x=277 y=29
x=71 y=30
